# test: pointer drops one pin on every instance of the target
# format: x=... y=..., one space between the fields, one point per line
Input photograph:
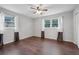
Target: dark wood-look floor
x=36 y=46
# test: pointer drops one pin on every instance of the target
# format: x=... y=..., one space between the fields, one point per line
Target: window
x=51 y=23
x=47 y=23
x=9 y=21
x=55 y=23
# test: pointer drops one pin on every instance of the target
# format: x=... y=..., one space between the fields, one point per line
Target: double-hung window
x=9 y=21
x=47 y=23
x=55 y=23
x=51 y=23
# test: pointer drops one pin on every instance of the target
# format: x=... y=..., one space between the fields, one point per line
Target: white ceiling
x=52 y=9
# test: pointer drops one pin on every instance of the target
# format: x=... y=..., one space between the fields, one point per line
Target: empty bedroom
x=39 y=29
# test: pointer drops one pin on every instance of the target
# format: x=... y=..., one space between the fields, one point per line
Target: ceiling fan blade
x=41 y=13
x=32 y=8
x=37 y=8
x=34 y=12
x=45 y=10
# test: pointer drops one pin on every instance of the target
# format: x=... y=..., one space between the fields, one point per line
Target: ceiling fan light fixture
x=39 y=12
x=39 y=9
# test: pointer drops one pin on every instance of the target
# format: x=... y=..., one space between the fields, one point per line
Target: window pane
x=55 y=23
x=47 y=23
x=9 y=21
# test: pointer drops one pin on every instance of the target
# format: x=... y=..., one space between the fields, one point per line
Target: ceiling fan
x=39 y=9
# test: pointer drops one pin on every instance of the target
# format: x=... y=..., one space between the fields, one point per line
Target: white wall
x=24 y=26
x=52 y=33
